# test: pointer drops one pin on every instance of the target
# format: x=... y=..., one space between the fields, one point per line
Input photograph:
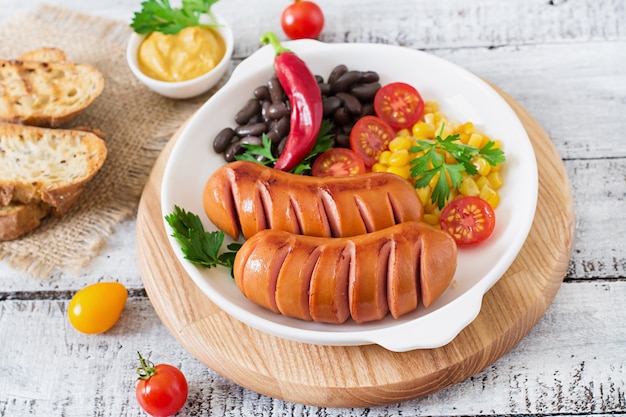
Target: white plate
x=462 y=96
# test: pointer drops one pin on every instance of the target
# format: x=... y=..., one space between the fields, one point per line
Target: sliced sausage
x=244 y=198
x=362 y=277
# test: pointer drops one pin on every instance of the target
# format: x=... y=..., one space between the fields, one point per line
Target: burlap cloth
x=135 y=121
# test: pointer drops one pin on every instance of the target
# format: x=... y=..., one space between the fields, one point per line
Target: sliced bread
x=46 y=93
x=47 y=165
x=44 y=54
x=17 y=219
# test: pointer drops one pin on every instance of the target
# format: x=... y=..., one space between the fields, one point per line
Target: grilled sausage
x=245 y=197
x=333 y=279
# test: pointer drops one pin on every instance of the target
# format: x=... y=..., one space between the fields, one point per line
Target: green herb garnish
x=433 y=157
x=160 y=16
x=199 y=246
x=323 y=143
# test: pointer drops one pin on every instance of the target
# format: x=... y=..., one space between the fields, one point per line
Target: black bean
x=233 y=150
x=341 y=116
x=251 y=108
x=351 y=103
x=223 y=139
x=325 y=89
x=265 y=111
x=330 y=104
x=273 y=135
x=278 y=110
x=281 y=145
x=342 y=140
x=319 y=78
x=368 y=109
x=255 y=129
x=365 y=92
x=282 y=126
x=251 y=140
x=337 y=72
x=369 y=77
x=262 y=93
x=276 y=90
x=346 y=80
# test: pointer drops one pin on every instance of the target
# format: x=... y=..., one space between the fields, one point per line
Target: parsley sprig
x=432 y=163
x=160 y=16
x=199 y=246
x=323 y=143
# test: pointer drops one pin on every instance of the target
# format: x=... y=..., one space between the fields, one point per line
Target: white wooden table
x=564 y=61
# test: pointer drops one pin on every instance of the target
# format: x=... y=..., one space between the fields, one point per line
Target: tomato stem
x=146 y=370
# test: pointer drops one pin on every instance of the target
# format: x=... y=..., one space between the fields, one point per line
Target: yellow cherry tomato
x=97 y=307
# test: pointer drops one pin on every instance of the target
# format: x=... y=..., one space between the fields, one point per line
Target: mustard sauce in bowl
x=186 y=55
x=183 y=65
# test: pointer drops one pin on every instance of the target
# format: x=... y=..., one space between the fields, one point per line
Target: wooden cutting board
x=360 y=376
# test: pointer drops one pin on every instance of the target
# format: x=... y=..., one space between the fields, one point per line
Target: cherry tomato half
x=338 y=162
x=97 y=307
x=469 y=220
x=369 y=136
x=399 y=104
x=302 y=19
x=162 y=390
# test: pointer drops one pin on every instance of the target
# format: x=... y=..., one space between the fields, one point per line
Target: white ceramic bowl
x=189 y=88
x=462 y=96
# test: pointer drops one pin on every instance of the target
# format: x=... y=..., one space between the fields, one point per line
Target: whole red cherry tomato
x=302 y=19
x=162 y=390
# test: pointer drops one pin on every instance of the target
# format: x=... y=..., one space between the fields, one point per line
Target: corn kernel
x=467 y=128
x=429 y=118
x=400 y=143
x=402 y=171
x=431 y=106
x=490 y=196
x=482 y=181
x=431 y=219
x=481 y=165
x=475 y=140
x=423 y=130
x=403 y=133
x=424 y=194
x=378 y=167
x=399 y=158
x=495 y=179
x=449 y=158
x=384 y=156
x=468 y=187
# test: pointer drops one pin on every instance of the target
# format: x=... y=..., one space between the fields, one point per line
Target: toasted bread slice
x=17 y=219
x=45 y=54
x=46 y=94
x=47 y=165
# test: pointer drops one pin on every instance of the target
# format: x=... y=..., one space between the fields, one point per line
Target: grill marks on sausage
x=332 y=280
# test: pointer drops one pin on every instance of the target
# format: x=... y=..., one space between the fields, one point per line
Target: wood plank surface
x=562 y=60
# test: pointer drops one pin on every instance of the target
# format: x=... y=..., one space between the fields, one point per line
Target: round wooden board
x=360 y=376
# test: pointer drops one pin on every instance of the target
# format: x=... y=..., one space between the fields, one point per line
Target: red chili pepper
x=306 y=103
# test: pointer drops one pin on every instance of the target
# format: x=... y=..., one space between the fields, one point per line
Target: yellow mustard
x=188 y=54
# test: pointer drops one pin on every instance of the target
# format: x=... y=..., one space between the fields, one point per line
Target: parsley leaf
x=431 y=165
x=160 y=16
x=198 y=246
x=262 y=154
